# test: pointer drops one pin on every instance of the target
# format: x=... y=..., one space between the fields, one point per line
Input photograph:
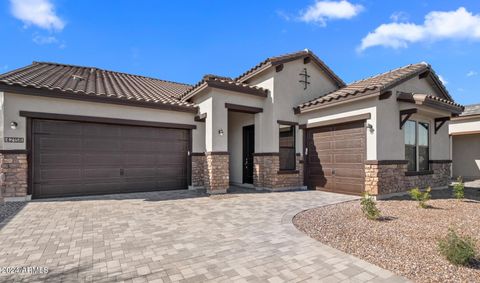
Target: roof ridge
x=387 y=72
x=106 y=70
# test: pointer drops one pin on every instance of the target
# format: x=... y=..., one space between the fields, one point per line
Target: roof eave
x=26 y=90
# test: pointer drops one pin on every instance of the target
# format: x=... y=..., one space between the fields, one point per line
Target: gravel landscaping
x=405 y=240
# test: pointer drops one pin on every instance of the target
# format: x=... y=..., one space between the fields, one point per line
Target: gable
x=421 y=86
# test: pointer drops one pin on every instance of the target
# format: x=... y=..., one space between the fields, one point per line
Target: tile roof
x=373 y=85
x=223 y=83
x=94 y=82
x=277 y=60
x=473 y=109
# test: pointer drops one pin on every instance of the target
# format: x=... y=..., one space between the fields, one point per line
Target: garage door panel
x=55 y=127
x=56 y=159
x=46 y=142
x=348 y=158
x=336 y=154
x=59 y=174
x=85 y=158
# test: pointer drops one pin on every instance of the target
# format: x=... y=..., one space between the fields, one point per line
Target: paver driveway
x=177 y=236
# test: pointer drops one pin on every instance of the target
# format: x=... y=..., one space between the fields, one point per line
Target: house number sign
x=13 y=140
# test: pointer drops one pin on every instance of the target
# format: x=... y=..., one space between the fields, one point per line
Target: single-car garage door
x=336 y=157
x=76 y=158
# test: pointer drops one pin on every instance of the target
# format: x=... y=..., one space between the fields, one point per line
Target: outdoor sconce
x=370 y=127
x=220 y=132
x=13 y=125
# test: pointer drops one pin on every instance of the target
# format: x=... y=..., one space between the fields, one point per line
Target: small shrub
x=457 y=249
x=421 y=197
x=369 y=207
x=459 y=189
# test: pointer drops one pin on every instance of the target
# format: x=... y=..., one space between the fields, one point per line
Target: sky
x=183 y=40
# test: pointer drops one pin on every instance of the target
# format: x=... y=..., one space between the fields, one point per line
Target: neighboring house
x=289 y=122
x=465 y=133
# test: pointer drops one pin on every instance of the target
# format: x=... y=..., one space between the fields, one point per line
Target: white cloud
x=399 y=16
x=472 y=73
x=443 y=80
x=40 y=13
x=41 y=40
x=459 y=24
x=322 y=11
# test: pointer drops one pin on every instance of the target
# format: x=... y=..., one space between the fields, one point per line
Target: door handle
x=333 y=171
x=122 y=172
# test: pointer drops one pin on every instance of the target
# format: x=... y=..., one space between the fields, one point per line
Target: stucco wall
x=366 y=106
x=464 y=125
x=390 y=140
x=212 y=102
x=14 y=103
x=236 y=122
x=466 y=156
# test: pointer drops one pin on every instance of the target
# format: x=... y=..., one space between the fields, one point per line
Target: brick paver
x=177 y=236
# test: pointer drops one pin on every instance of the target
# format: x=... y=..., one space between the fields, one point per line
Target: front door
x=248 y=150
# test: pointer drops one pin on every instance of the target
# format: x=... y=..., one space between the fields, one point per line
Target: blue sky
x=183 y=40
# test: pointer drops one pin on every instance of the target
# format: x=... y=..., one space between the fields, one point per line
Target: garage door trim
x=30 y=116
x=102 y=120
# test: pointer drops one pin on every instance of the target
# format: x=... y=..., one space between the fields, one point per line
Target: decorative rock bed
x=405 y=240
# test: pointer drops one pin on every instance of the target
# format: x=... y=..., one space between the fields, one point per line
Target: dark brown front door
x=336 y=157
x=248 y=150
x=74 y=158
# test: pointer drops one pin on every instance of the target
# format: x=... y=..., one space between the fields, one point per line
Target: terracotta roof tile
x=373 y=84
x=92 y=81
x=473 y=109
x=223 y=83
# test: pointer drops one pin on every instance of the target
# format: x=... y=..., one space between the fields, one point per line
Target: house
x=289 y=122
x=465 y=133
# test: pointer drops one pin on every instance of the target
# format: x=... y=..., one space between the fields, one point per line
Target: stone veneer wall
x=198 y=169
x=391 y=176
x=216 y=172
x=267 y=174
x=13 y=174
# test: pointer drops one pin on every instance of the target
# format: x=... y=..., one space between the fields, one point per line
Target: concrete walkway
x=177 y=236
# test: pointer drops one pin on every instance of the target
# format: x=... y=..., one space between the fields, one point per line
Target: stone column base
x=13 y=174
x=216 y=172
x=198 y=169
x=267 y=174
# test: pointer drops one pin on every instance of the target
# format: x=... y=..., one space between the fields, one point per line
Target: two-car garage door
x=77 y=158
x=336 y=158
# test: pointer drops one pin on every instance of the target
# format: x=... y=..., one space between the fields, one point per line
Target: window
x=423 y=147
x=287 y=147
x=417 y=145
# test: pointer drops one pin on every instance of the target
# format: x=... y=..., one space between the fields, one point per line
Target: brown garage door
x=75 y=158
x=336 y=157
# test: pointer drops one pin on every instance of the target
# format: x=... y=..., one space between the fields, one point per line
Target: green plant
x=459 y=189
x=369 y=207
x=421 y=197
x=459 y=250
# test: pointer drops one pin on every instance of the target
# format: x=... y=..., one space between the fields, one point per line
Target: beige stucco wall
x=14 y=103
x=236 y=122
x=391 y=145
x=465 y=125
x=466 y=156
x=212 y=102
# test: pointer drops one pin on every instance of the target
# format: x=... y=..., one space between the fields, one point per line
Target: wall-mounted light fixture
x=220 y=132
x=370 y=127
x=13 y=125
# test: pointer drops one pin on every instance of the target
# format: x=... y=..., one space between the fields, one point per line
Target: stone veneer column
x=267 y=174
x=13 y=174
x=198 y=169
x=216 y=172
x=384 y=177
